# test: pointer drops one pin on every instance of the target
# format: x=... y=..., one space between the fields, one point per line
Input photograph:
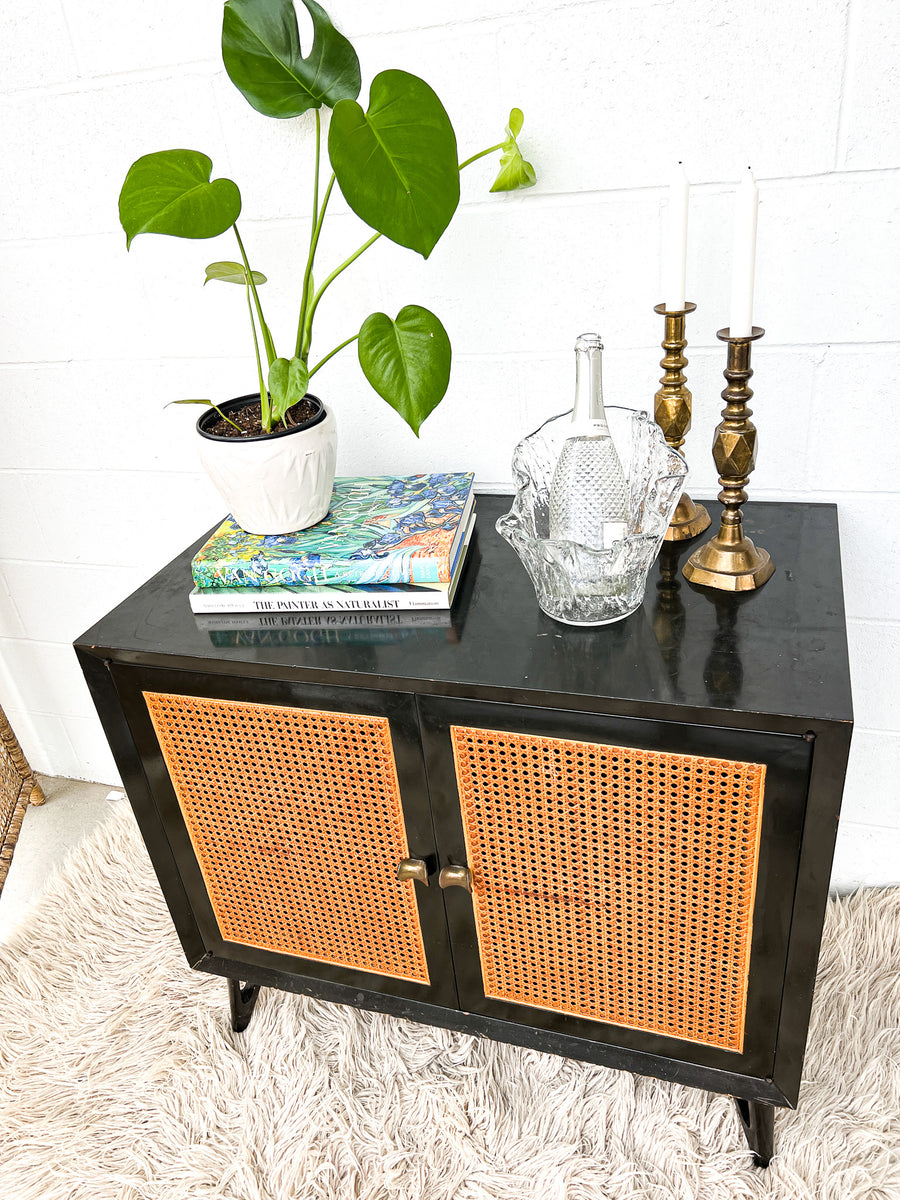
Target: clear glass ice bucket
x=574 y=583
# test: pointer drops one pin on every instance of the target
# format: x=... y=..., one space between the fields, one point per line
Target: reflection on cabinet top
x=733 y=659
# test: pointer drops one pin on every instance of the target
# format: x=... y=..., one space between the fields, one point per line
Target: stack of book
x=388 y=544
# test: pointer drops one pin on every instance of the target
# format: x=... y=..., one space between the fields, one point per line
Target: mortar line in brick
x=509 y=15
x=12 y=560
x=169 y=472
x=847 y=80
x=820 y=495
x=87 y=83
x=43 y=712
x=698 y=348
x=127 y=471
x=846 y=822
x=648 y=348
x=537 y=202
x=149 y=361
x=25 y=713
x=73 y=42
x=709 y=187
x=858 y=728
x=799 y=496
x=65 y=642
x=893 y=734
x=68 y=565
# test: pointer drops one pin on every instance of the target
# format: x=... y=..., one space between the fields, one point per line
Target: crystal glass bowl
x=574 y=583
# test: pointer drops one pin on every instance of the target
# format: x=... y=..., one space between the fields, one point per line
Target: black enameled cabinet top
x=781 y=651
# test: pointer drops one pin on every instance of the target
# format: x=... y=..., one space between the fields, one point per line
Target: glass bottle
x=588 y=494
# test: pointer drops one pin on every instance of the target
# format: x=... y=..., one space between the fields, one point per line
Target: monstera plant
x=397 y=164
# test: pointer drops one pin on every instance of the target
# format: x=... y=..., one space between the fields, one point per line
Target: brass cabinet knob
x=456 y=877
x=413 y=868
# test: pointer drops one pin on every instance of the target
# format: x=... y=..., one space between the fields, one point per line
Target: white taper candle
x=743 y=261
x=674 y=254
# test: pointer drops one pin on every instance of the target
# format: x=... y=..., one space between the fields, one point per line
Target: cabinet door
x=288 y=808
x=632 y=880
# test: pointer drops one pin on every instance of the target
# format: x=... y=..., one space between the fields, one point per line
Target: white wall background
x=98 y=482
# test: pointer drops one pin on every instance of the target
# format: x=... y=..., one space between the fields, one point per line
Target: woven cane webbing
x=18 y=786
x=611 y=883
x=12 y=810
x=10 y=784
x=296 y=821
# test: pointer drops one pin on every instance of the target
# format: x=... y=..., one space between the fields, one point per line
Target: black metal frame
x=241 y=1002
x=758 y=1124
x=609 y=687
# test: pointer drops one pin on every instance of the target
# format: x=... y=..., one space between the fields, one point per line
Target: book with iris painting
x=379 y=530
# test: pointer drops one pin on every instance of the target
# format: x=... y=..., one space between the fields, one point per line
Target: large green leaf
x=232 y=272
x=288 y=381
x=515 y=172
x=261 y=52
x=170 y=192
x=396 y=163
x=407 y=361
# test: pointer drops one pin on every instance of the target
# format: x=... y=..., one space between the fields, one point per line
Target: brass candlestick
x=672 y=413
x=730 y=561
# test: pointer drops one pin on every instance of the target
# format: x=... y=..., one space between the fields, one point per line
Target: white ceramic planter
x=278 y=482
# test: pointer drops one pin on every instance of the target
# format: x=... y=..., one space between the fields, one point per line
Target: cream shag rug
x=120 y=1078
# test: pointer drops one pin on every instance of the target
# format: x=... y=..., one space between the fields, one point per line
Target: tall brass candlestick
x=672 y=412
x=730 y=561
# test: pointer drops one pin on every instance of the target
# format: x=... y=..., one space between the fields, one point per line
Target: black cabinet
x=613 y=844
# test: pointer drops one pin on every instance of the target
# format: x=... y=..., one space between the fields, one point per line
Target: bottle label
x=589 y=427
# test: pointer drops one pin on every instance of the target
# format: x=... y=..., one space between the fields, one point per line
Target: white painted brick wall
x=806 y=92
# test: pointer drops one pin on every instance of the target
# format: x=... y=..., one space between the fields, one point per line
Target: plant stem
x=267 y=337
x=265 y=404
x=327 y=283
x=225 y=417
x=313 y=243
x=332 y=353
x=481 y=154
x=315 y=211
x=304 y=332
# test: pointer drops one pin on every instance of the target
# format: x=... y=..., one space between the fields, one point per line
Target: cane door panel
x=288 y=809
x=631 y=880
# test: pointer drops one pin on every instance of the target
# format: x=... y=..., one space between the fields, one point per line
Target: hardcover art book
x=337 y=597
x=379 y=530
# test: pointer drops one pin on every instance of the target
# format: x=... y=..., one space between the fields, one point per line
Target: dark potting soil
x=249 y=418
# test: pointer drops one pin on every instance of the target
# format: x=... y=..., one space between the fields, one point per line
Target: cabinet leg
x=758 y=1123
x=242 y=1001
